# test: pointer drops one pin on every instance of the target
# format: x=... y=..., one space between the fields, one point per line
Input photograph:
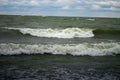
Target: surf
x=57 y=33
x=91 y=49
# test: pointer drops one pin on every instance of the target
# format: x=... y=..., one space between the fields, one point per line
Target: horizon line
x=58 y=15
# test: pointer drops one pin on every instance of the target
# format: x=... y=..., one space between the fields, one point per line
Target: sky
x=81 y=8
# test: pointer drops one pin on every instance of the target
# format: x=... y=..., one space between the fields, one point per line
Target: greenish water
x=61 y=22
x=59 y=48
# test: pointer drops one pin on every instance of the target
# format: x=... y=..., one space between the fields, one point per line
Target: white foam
x=91 y=19
x=99 y=49
x=58 y=33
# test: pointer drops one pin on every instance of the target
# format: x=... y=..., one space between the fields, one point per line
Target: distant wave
x=57 y=33
x=98 y=49
x=90 y=19
x=108 y=31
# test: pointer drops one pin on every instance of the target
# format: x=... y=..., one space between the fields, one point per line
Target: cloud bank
x=100 y=8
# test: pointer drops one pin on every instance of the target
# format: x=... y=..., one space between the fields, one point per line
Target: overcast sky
x=88 y=8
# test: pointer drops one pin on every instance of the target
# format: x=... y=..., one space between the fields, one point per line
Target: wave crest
x=99 y=49
x=57 y=33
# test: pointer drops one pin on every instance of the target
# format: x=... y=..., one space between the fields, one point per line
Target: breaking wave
x=98 y=49
x=57 y=33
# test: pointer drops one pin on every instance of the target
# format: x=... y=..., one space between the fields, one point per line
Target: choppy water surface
x=76 y=36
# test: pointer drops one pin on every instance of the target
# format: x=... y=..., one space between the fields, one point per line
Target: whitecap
x=57 y=33
x=98 y=49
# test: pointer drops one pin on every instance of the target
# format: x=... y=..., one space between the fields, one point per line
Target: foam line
x=98 y=49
